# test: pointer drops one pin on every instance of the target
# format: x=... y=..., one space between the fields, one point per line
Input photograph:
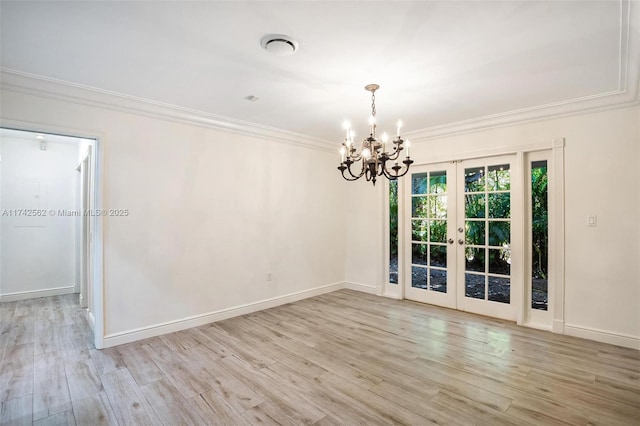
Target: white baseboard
x=198 y=320
x=392 y=291
x=603 y=336
x=34 y=294
x=557 y=326
x=537 y=326
x=361 y=287
x=391 y=295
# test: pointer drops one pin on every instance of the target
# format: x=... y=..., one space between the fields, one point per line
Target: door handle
x=450 y=241
x=461 y=241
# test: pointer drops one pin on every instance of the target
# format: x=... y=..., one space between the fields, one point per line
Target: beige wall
x=38 y=252
x=602 y=177
x=211 y=213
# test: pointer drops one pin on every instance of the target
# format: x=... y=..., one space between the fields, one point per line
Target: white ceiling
x=438 y=63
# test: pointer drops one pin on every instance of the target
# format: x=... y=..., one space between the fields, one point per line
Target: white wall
x=364 y=239
x=38 y=253
x=211 y=213
x=602 y=177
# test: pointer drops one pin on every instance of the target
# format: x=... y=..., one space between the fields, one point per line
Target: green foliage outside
x=393 y=217
x=433 y=228
x=540 y=221
x=486 y=206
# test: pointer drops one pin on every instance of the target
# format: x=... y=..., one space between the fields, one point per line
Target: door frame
x=556 y=207
x=83 y=250
x=96 y=314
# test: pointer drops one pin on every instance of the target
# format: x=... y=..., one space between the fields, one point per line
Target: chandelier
x=373 y=152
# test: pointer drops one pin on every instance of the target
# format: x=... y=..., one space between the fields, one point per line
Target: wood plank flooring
x=344 y=358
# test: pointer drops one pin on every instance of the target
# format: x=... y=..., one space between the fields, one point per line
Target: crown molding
x=587 y=104
x=37 y=85
x=627 y=93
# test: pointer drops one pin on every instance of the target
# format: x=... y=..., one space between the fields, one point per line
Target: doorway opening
x=49 y=219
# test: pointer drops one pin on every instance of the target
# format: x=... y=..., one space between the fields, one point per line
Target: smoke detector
x=279 y=44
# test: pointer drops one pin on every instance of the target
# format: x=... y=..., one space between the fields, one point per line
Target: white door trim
x=556 y=223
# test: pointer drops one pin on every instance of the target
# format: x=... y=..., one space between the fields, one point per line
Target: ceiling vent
x=279 y=44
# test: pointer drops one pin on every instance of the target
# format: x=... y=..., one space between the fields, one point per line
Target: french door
x=460 y=237
x=430 y=267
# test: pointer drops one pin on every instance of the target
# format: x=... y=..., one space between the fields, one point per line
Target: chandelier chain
x=373 y=103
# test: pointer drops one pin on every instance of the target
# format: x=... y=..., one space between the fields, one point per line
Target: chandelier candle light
x=373 y=152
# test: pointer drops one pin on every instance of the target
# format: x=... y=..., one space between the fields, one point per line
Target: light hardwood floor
x=343 y=358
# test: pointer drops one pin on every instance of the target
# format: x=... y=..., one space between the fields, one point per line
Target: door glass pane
x=474 y=259
x=474 y=233
x=499 y=233
x=418 y=277
x=438 y=182
x=438 y=231
x=438 y=280
x=393 y=231
x=438 y=256
x=500 y=205
x=499 y=289
x=474 y=179
x=419 y=230
x=474 y=286
x=438 y=207
x=419 y=183
x=474 y=205
x=419 y=254
x=419 y=206
x=539 y=236
x=498 y=178
x=429 y=231
x=500 y=261
x=487 y=242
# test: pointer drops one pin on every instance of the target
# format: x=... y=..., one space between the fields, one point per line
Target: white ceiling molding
x=445 y=67
x=20 y=82
x=628 y=93
x=600 y=102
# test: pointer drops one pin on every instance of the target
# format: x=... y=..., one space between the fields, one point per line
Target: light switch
x=592 y=221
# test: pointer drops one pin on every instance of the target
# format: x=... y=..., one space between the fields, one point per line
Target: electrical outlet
x=268 y=276
x=592 y=221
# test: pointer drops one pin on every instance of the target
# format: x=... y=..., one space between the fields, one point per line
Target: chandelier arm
x=347 y=167
x=347 y=178
x=387 y=173
x=351 y=173
x=408 y=162
x=396 y=169
x=397 y=147
x=355 y=156
x=395 y=154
